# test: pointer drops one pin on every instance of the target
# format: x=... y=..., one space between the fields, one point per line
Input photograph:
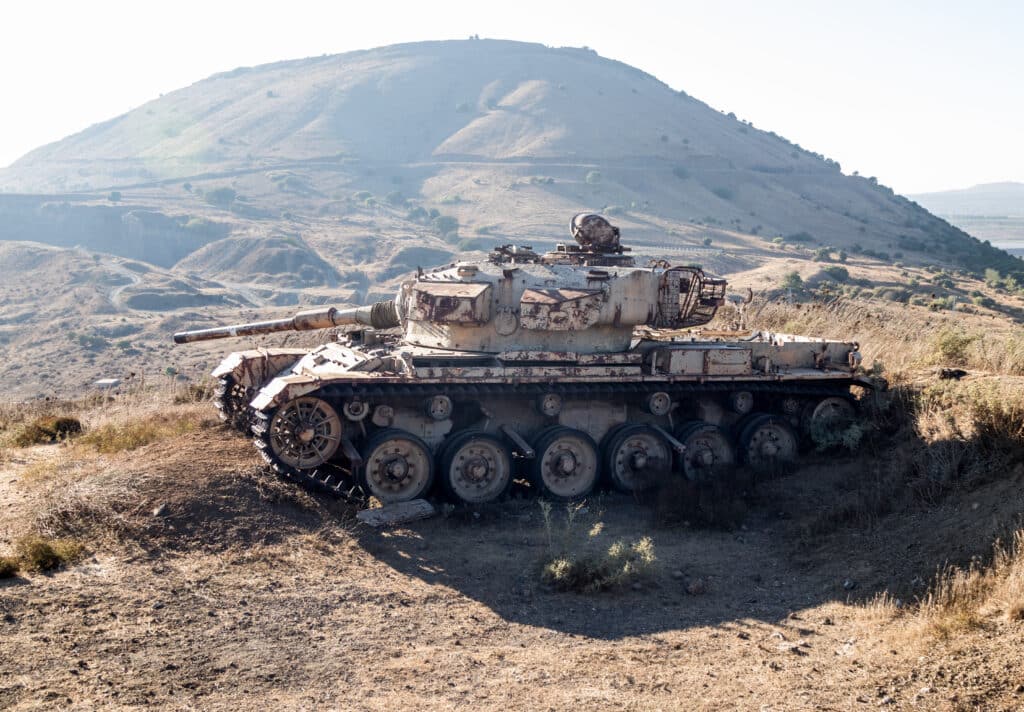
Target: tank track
x=232 y=404
x=329 y=479
x=338 y=482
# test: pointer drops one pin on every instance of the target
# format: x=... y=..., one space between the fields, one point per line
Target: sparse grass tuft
x=38 y=554
x=622 y=563
x=8 y=567
x=578 y=561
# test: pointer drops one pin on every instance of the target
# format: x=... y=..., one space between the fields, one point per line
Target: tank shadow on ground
x=702 y=576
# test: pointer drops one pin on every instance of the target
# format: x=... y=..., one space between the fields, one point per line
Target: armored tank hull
x=534 y=367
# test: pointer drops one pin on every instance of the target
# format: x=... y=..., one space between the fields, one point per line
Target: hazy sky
x=923 y=95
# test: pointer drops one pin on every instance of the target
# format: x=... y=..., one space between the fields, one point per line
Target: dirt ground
x=218 y=586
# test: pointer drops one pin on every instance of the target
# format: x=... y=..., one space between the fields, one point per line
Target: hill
x=988 y=199
x=327 y=179
x=507 y=137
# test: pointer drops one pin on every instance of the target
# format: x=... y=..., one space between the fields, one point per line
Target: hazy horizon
x=920 y=96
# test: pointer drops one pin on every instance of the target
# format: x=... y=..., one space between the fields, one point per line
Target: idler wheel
x=768 y=444
x=397 y=466
x=565 y=466
x=825 y=422
x=475 y=467
x=305 y=433
x=634 y=457
x=708 y=450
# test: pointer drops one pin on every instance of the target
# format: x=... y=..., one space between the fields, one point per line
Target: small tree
x=707 y=241
x=115 y=196
x=793 y=281
x=446 y=225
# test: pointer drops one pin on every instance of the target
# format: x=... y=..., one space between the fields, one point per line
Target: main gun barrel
x=382 y=315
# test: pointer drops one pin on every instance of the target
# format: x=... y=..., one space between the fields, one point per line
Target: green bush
x=724 y=193
x=952 y=345
x=593 y=177
x=576 y=560
x=839 y=274
x=680 y=172
x=221 y=197
x=8 y=567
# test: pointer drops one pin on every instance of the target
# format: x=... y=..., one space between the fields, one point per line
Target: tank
x=567 y=369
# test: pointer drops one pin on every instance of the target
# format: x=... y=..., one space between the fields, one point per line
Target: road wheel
x=708 y=450
x=825 y=421
x=565 y=466
x=397 y=466
x=768 y=444
x=634 y=457
x=475 y=467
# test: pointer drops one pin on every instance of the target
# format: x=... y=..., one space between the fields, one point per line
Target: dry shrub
x=8 y=567
x=47 y=429
x=38 y=554
x=578 y=560
x=951 y=347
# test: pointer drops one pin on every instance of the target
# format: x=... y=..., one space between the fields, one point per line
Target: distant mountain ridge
x=991 y=199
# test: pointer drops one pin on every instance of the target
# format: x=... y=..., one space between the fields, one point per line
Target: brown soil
x=213 y=585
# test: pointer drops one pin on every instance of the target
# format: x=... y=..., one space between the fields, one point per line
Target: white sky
x=923 y=95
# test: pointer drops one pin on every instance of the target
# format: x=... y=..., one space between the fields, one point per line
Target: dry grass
x=120 y=434
x=964 y=599
x=901 y=339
